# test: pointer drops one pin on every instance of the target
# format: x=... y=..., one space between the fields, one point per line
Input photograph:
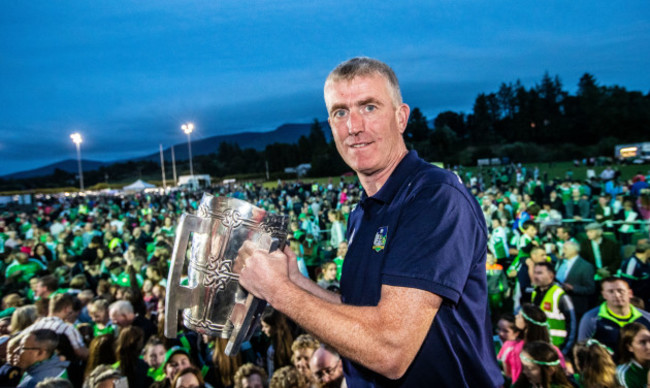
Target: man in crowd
x=605 y=321
x=557 y=306
x=250 y=376
x=35 y=355
x=412 y=306
x=122 y=315
x=602 y=252
x=46 y=286
x=327 y=368
x=576 y=276
x=636 y=271
x=563 y=233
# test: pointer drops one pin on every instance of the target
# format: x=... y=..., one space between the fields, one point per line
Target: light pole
x=76 y=139
x=188 y=128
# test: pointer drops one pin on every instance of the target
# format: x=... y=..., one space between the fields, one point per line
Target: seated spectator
x=46 y=286
x=98 y=311
x=122 y=315
x=541 y=367
x=327 y=277
x=101 y=351
x=594 y=366
x=634 y=356
x=327 y=367
x=604 y=322
x=250 y=376
x=303 y=348
x=104 y=376
x=288 y=377
x=37 y=358
x=61 y=306
x=154 y=355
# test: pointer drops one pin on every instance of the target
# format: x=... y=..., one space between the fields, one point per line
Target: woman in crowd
x=274 y=326
x=188 y=378
x=327 y=277
x=634 y=356
x=594 y=365
x=101 y=351
x=225 y=366
x=541 y=367
x=22 y=318
x=531 y=320
x=127 y=352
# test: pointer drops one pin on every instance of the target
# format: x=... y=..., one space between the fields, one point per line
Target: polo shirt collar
x=396 y=179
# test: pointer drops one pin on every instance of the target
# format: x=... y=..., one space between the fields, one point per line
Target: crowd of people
x=83 y=282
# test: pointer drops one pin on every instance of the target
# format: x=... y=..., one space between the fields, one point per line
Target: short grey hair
x=122 y=307
x=364 y=66
x=574 y=244
x=54 y=382
x=101 y=373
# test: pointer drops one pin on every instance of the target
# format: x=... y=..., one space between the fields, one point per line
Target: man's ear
x=402 y=113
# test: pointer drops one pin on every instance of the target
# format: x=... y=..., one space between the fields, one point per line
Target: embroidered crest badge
x=379 y=242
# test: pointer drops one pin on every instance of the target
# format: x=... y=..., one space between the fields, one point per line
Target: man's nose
x=355 y=122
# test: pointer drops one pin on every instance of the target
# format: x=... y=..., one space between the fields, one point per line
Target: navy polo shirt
x=424 y=230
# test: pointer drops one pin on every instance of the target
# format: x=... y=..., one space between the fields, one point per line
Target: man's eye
x=340 y=113
x=370 y=108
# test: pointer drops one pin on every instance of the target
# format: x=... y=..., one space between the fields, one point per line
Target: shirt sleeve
x=438 y=240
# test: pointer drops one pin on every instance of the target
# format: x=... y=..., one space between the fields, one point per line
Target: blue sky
x=128 y=74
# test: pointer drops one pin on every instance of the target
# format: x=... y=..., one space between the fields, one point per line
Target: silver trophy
x=213 y=302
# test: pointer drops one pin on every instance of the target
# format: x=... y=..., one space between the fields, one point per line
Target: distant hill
x=286 y=133
x=68 y=165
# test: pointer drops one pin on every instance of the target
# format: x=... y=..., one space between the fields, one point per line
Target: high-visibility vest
x=551 y=307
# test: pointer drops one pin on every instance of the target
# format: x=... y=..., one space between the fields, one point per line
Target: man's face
x=301 y=361
x=327 y=369
x=252 y=381
x=41 y=291
x=366 y=125
x=538 y=255
x=542 y=277
x=616 y=294
x=531 y=231
x=562 y=234
x=121 y=320
x=30 y=353
x=593 y=234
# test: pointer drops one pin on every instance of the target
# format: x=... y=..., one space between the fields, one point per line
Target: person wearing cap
x=176 y=359
x=600 y=251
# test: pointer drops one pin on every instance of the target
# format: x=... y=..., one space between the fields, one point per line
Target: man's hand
x=567 y=287
x=262 y=272
x=603 y=272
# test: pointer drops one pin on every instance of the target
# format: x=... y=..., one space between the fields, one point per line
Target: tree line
x=536 y=124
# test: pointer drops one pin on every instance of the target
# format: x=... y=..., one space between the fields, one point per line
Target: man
x=122 y=315
x=61 y=306
x=417 y=247
x=576 y=276
x=524 y=274
x=605 y=321
x=563 y=233
x=636 y=271
x=327 y=368
x=37 y=358
x=557 y=306
x=602 y=252
x=46 y=286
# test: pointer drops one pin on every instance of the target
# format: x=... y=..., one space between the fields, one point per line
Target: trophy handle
x=176 y=293
x=254 y=308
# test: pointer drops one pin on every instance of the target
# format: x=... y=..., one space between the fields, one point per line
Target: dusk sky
x=126 y=75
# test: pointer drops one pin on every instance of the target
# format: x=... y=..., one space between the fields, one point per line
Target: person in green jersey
x=634 y=363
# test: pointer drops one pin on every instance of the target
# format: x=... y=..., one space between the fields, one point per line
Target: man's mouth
x=359 y=145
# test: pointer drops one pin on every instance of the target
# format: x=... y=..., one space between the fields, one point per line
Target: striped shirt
x=60 y=327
